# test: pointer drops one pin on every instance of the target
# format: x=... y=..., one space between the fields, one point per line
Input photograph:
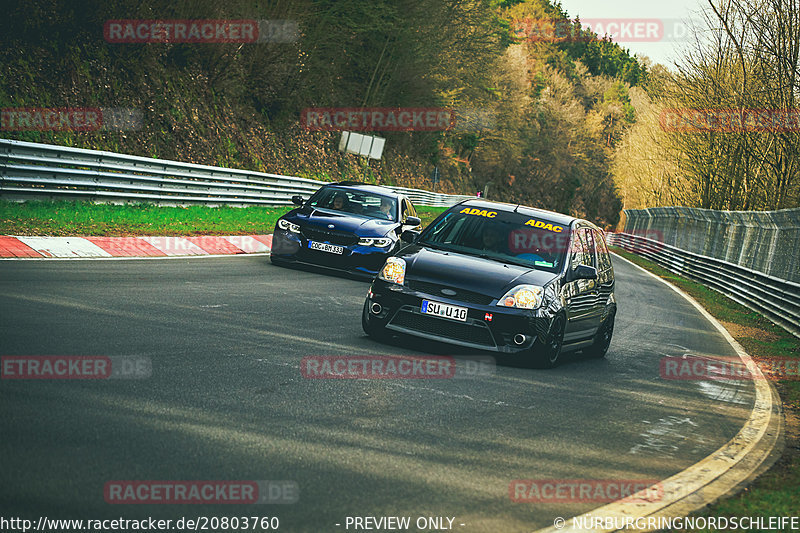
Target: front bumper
x=363 y=261
x=400 y=311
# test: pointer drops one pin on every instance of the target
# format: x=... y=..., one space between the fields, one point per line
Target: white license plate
x=444 y=310
x=324 y=247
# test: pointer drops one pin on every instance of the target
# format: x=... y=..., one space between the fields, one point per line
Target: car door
x=581 y=295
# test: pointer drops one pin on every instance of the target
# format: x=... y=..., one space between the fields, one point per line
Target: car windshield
x=507 y=237
x=354 y=202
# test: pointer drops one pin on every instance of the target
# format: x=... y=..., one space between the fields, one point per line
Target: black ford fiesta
x=500 y=277
x=346 y=226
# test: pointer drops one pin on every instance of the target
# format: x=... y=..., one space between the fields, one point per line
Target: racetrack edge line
x=748 y=450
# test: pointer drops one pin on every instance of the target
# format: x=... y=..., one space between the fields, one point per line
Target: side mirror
x=583 y=272
x=412 y=221
x=409 y=236
x=297 y=199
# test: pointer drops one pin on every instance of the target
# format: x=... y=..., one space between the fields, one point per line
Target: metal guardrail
x=775 y=298
x=432 y=199
x=44 y=171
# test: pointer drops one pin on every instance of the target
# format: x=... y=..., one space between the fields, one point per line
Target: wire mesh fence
x=764 y=241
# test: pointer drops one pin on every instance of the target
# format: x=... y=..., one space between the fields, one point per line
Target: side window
x=603 y=259
x=590 y=248
x=582 y=252
x=407 y=210
x=577 y=250
x=411 y=211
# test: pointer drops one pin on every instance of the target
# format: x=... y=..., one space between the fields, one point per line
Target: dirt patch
x=738 y=331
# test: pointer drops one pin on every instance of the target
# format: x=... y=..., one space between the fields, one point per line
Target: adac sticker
x=479 y=212
x=544 y=225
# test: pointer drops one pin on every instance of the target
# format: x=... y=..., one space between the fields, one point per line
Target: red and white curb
x=40 y=247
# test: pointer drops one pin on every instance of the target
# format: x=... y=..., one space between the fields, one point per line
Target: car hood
x=468 y=272
x=363 y=227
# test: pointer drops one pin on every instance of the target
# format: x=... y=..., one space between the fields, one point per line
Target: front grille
x=435 y=289
x=342 y=238
x=465 y=332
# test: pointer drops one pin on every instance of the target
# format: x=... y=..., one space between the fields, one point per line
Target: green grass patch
x=73 y=218
x=776 y=492
x=67 y=218
x=428 y=214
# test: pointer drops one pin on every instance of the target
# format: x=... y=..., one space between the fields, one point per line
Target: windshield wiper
x=434 y=246
x=493 y=258
x=505 y=260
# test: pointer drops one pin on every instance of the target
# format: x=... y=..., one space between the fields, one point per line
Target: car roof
x=559 y=218
x=366 y=187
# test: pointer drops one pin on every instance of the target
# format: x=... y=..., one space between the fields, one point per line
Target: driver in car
x=492 y=239
x=386 y=208
x=340 y=201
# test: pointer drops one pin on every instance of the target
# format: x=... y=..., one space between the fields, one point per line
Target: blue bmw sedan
x=347 y=226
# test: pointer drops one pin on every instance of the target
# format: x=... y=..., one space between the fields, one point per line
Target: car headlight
x=394 y=271
x=285 y=224
x=523 y=297
x=380 y=243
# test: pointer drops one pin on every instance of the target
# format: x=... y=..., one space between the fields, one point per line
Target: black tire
x=546 y=353
x=371 y=328
x=602 y=339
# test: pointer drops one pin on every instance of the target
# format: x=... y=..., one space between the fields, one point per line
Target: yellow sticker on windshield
x=544 y=225
x=479 y=212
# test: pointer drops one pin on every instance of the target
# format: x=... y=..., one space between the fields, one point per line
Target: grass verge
x=67 y=218
x=777 y=491
x=428 y=214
